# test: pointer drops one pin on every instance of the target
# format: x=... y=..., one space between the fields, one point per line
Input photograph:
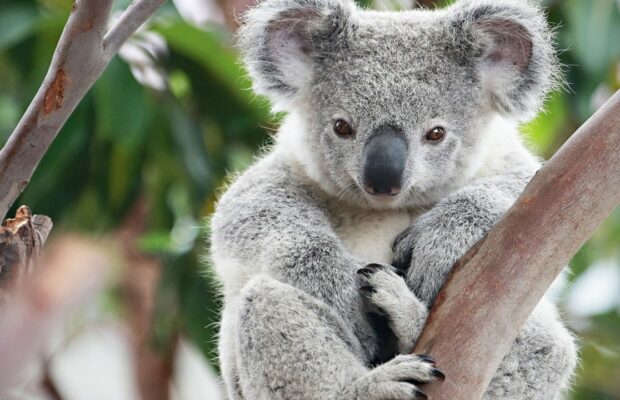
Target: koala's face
x=393 y=112
x=393 y=103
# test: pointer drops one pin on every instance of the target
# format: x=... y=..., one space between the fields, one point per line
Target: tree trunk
x=494 y=288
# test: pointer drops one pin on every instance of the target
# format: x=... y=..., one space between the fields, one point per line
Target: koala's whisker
x=346 y=189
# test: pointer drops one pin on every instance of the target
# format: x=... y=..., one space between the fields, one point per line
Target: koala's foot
x=398 y=379
x=388 y=295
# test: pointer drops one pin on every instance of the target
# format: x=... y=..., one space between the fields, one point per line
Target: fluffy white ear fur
x=518 y=65
x=279 y=39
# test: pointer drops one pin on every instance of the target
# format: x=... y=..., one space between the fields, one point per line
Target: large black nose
x=385 y=157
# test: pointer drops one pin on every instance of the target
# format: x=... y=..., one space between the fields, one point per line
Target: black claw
x=419 y=394
x=368 y=290
x=438 y=374
x=374 y=267
x=428 y=359
x=365 y=272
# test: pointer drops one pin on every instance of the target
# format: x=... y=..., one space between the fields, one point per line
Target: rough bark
x=82 y=53
x=21 y=240
x=496 y=285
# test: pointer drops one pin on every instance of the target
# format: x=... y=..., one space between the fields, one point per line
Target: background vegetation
x=172 y=116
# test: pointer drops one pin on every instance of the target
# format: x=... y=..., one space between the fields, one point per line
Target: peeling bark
x=21 y=241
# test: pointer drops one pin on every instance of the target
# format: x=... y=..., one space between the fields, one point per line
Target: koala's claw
x=428 y=359
x=438 y=374
x=368 y=290
x=419 y=394
x=370 y=269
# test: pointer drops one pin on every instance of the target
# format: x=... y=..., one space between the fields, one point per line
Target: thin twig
x=136 y=14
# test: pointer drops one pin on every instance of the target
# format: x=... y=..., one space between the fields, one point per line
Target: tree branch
x=494 y=288
x=136 y=14
x=80 y=57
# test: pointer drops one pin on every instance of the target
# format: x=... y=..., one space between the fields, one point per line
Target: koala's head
x=390 y=105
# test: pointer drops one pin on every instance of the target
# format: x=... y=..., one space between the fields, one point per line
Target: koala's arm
x=270 y=223
x=432 y=244
x=542 y=359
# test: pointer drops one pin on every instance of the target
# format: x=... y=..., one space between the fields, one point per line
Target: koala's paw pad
x=400 y=378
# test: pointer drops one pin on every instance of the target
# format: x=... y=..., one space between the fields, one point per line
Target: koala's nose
x=385 y=157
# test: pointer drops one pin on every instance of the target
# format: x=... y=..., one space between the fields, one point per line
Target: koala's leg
x=270 y=223
x=292 y=346
x=388 y=295
x=541 y=362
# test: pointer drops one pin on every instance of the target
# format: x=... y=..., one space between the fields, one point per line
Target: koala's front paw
x=398 y=379
x=387 y=293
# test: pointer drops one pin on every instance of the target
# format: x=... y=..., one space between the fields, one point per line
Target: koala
x=399 y=151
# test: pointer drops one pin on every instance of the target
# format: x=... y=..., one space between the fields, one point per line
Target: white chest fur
x=369 y=235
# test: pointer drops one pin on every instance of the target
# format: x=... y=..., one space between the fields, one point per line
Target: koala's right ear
x=514 y=46
x=280 y=38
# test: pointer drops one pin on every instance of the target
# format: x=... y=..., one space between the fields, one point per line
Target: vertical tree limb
x=136 y=14
x=82 y=53
x=494 y=288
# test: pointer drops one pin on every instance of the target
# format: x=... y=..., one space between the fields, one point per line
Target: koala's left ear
x=281 y=39
x=514 y=48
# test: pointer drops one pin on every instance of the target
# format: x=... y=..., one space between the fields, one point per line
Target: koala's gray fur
x=292 y=237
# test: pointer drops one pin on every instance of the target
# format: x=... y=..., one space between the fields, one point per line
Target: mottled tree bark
x=496 y=285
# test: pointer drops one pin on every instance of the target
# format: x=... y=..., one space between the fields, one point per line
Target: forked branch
x=84 y=50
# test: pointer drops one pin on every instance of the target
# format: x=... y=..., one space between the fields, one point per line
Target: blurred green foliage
x=173 y=147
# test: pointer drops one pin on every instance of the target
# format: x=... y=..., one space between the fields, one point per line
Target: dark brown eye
x=436 y=134
x=342 y=128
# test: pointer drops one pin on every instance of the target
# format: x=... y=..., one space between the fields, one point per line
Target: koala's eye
x=436 y=134
x=343 y=129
